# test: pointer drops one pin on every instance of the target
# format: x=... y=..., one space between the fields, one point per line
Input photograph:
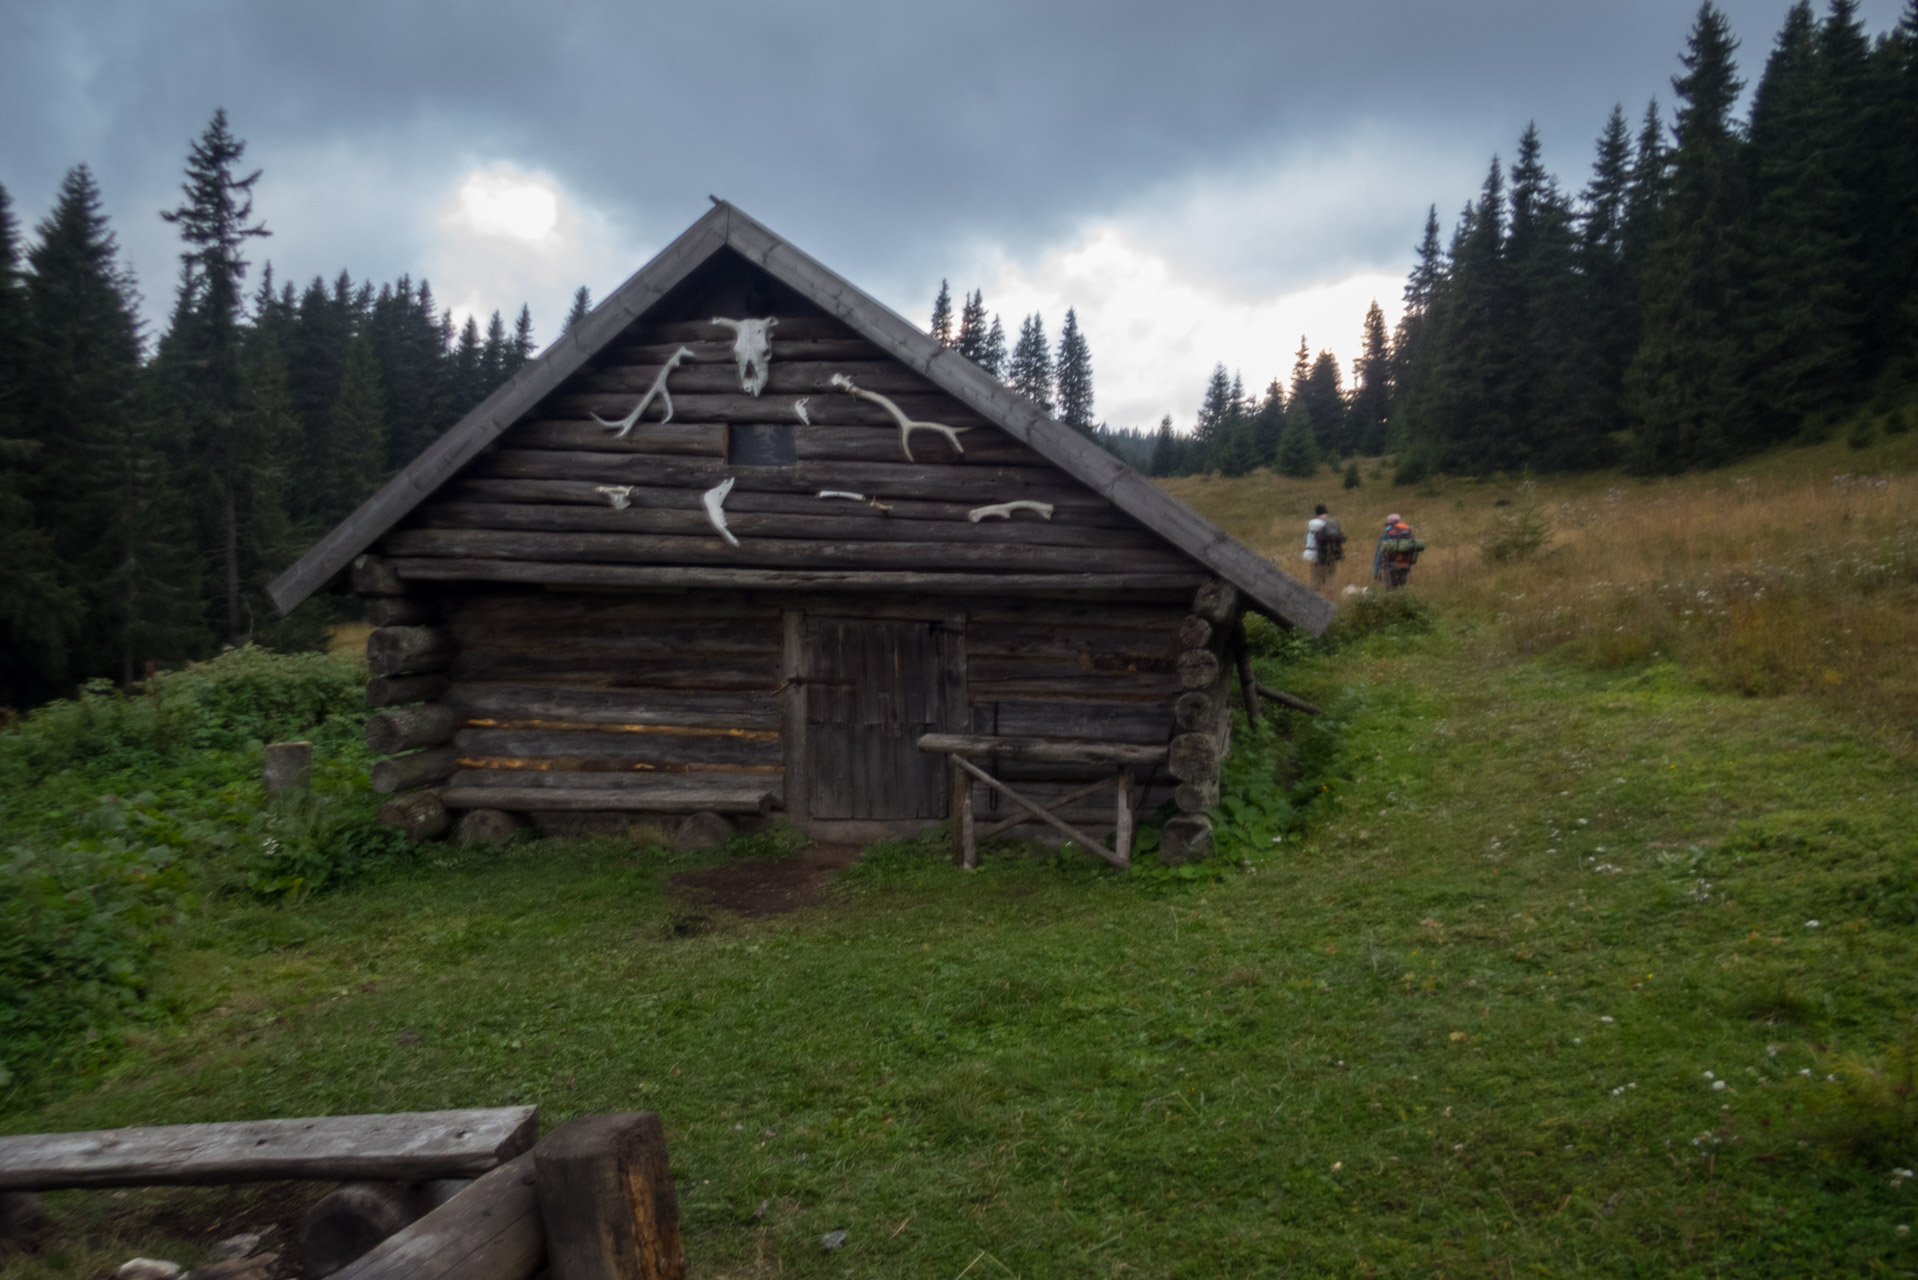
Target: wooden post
x=490 y=1231
x=289 y=767
x=607 y=1199
x=1248 y=684
x=1122 y=826
x=964 y=845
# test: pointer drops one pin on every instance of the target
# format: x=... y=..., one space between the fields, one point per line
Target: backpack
x=1331 y=542
x=1403 y=549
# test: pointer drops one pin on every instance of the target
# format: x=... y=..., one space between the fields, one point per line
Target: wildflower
x=1804 y=1071
x=1606 y=1017
x=1811 y=924
x=1710 y=1076
x=1337 y=1165
x=1717 y=1085
x=1901 y=1175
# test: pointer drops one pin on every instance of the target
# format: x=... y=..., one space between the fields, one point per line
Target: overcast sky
x=1204 y=182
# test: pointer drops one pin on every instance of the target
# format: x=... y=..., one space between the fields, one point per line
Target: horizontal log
x=371 y=576
x=704 y=609
x=1199 y=668
x=397 y=611
x=736 y=406
x=1146 y=686
x=988 y=746
x=404 y=728
x=649 y=351
x=690 y=782
x=456 y=569
x=977 y=484
x=672 y=439
x=786 y=329
x=740 y=501
x=772 y=553
x=490 y=1231
x=1285 y=699
x=616 y=639
x=391 y=691
x=784 y=378
x=1194 y=757
x=826 y=521
x=422 y=768
x=608 y=800
x=401 y=1147
x=659 y=745
x=741 y=673
x=1141 y=722
x=1093 y=648
x=400 y=651
x=1130 y=614
x=421 y=815
x=591 y=704
x=1194 y=710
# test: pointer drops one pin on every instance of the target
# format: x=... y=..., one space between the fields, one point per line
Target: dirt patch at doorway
x=759 y=887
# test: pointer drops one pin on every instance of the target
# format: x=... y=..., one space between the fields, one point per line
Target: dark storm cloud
x=875 y=133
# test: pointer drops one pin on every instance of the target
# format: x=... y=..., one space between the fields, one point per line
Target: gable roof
x=1268 y=588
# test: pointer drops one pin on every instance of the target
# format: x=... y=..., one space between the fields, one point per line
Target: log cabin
x=745 y=540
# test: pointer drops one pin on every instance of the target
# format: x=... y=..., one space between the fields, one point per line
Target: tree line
x=1061 y=386
x=149 y=492
x=1717 y=286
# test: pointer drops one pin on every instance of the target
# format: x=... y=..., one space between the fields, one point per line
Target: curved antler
x=658 y=388
x=906 y=425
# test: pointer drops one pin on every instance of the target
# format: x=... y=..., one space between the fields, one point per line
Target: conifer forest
x=1724 y=279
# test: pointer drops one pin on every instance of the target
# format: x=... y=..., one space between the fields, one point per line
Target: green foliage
x=1372 y=613
x=324 y=839
x=1517 y=535
x=1351 y=480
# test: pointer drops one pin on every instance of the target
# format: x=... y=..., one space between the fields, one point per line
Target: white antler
x=713 y=498
x=1004 y=510
x=799 y=411
x=906 y=425
x=753 y=349
x=658 y=388
x=620 y=495
x=850 y=496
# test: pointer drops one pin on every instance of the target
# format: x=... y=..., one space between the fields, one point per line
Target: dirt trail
x=758 y=887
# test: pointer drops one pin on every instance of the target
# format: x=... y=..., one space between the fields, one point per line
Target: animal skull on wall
x=753 y=349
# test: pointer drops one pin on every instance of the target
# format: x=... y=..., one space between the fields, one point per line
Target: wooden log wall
x=1210 y=638
x=536 y=500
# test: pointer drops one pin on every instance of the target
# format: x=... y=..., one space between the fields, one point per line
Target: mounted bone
x=842 y=493
x=713 y=499
x=620 y=495
x=906 y=425
x=658 y=388
x=753 y=349
x=799 y=411
x=1004 y=510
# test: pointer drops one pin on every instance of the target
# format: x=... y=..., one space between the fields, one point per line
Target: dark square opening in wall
x=760 y=444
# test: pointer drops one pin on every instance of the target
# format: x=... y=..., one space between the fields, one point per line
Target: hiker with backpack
x=1398 y=551
x=1324 y=547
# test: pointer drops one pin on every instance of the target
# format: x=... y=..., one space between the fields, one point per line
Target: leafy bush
x=1517 y=535
x=245 y=695
x=1369 y=614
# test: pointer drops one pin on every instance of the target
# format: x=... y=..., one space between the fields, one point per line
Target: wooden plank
x=422 y=768
x=659 y=745
x=507 y=701
x=607 y=1198
x=788 y=328
x=826 y=520
x=785 y=377
x=585 y=492
x=392 y=691
x=605 y=800
x=404 y=728
x=1092 y=721
x=403 y=651
x=689 y=781
x=674 y=439
x=404 y=1146
x=505 y=406
x=1285 y=699
x=720 y=351
x=736 y=406
x=796 y=553
x=1071 y=833
x=742 y=673
x=987 y=746
x=490 y=1231
x=792 y=713
x=454 y=569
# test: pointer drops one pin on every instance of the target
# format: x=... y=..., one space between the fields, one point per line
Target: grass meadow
x=1583 y=944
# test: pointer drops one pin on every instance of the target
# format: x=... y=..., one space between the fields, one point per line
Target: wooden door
x=873 y=689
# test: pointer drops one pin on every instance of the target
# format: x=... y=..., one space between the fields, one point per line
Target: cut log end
x=1185 y=838
x=487 y=827
x=420 y=815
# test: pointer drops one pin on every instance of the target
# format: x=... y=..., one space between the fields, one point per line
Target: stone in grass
x=833 y=1240
x=702 y=830
x=148 y=1269
x=485 y=826
x=235 y=1246
x=23 y=1221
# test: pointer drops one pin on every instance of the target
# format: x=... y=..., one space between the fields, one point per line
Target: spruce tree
x=1682 y=386
x=1891 y=242
x=314 y=350
x=1268 y=423
x=582 y=304
x=1298 y=454
x=1030 y=373
x=493 y=355
x=1372 y=395
x=1075 y=376
x=468 y=373
x=993 y=357
x=1215 y=409
x=1410 y=358
x=227 y=447
x=520 y=350
x=1165 y=450
x=356 y=435
x=972 y=328
x=942 y=316
x=1609 y=302
x=1324 y=404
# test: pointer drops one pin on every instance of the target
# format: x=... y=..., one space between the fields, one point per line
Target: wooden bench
x=963 y=748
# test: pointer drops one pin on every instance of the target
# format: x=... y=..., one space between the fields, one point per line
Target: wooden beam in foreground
x=608 y=1201
x=403 y=1147
x=490 y=1231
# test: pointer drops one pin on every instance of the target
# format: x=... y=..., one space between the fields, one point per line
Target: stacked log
x=1202 y=717
x=407 y=654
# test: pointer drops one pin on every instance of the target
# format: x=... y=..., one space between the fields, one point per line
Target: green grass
x=1460 y=1026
